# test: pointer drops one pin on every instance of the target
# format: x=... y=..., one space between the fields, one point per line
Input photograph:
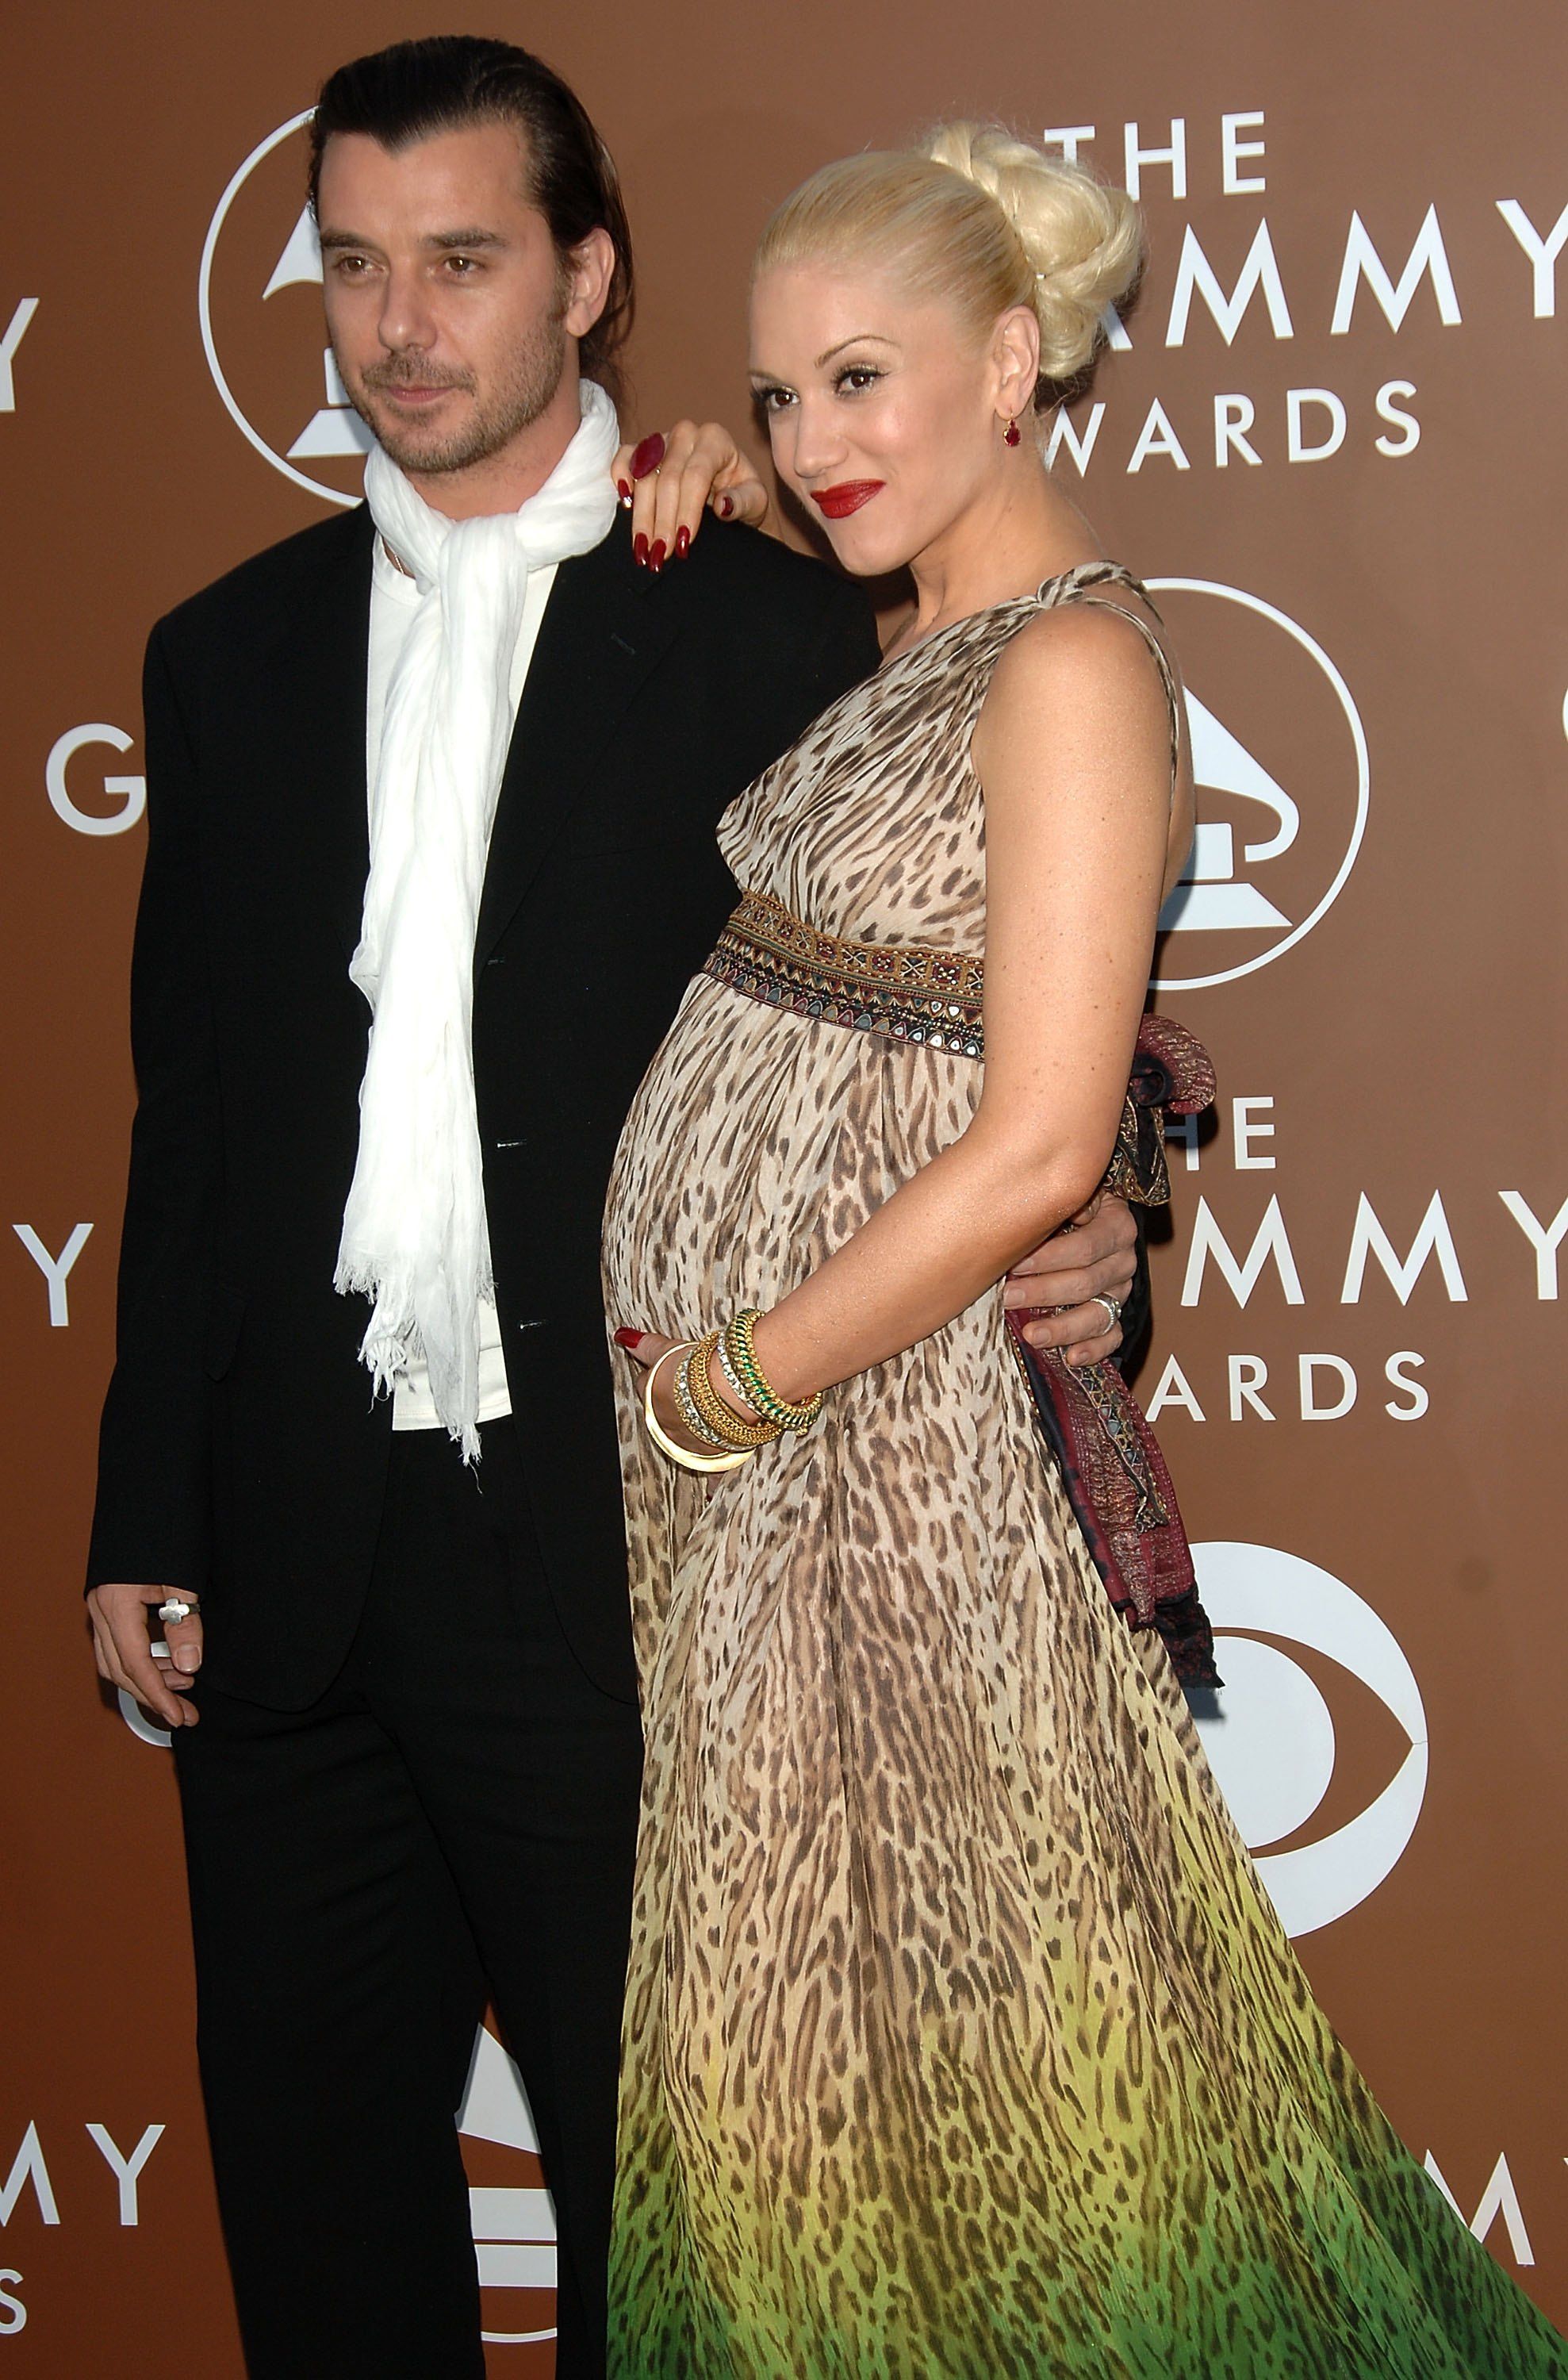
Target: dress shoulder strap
x=1081 y=584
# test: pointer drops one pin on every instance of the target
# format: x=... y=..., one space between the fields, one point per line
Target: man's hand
x=668 y=479
x=1096 y=1256
x=122 y=1645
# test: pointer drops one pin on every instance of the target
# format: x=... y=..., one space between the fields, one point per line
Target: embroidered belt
x=899 y=989
x=934 y=997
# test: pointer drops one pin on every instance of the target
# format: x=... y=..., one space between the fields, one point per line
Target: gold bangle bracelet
x=789 y=1412
x=686 y=1407
x=661 y=1437
x=720 y=1421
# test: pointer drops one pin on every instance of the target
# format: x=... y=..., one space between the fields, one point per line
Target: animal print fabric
x=960 y=2038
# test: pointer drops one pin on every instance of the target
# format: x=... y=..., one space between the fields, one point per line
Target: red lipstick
x=847 y=497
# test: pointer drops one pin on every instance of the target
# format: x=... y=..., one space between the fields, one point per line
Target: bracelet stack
x=661 y=1437
x=733 y=1436
x=737 y=1352
x=705 y=1412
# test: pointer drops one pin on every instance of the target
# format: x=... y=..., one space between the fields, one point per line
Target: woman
x=960 y=2038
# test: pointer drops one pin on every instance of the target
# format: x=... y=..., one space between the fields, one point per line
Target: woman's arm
x=1073 y=751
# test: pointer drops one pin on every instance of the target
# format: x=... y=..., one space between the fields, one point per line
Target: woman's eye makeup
x=849 y=380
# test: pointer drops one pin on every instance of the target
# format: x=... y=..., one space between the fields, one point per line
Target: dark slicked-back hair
x=456 y=79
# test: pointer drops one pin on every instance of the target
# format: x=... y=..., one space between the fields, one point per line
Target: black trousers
x=457 y=1811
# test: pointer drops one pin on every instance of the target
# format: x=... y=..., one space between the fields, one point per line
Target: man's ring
x=1112 y=1307
x=176 y=1609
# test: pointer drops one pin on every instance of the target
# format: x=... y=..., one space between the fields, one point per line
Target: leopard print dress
x=960 y=2038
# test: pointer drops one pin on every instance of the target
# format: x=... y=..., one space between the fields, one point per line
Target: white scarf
x=414 y=1235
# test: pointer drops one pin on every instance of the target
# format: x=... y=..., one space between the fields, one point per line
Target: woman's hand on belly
x=647 y=1350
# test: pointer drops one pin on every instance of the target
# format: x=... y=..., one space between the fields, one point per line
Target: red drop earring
x=1010 y=435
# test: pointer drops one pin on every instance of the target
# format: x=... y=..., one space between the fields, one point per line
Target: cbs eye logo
x=1283 y=780
x=260 y=304
x=1278 y=1753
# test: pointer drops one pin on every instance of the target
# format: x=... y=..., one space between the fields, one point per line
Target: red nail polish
x=648 y=456
x=624 y=490
x=683 y=542
x=726 y=506
x=656 y=555
x=639 y=548
x=624 y=1338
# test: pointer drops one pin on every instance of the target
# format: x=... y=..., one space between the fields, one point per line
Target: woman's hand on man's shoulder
x=669 y=479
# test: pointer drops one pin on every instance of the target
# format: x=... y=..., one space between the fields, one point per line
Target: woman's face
x=882 y=414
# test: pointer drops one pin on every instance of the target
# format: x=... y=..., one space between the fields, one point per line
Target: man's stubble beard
x=493 y=422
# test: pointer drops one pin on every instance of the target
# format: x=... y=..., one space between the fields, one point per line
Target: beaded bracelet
x=727 y=1366
x=686 y=1407
x=717 y=1423
x=755 y=1385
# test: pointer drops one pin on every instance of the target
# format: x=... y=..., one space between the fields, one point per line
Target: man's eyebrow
x=435 y=240
x=475 y=238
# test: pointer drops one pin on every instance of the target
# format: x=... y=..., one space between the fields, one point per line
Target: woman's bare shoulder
x=1076 y=664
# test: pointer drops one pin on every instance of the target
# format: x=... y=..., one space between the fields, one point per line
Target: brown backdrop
x=1380 y=677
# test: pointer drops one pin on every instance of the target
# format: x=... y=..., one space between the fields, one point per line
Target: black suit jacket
x=241 y=1453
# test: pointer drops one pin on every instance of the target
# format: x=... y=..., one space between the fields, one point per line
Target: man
x=409 y=1761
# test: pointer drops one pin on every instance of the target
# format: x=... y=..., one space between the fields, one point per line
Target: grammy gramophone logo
x=1279 y=758
x=261 y=309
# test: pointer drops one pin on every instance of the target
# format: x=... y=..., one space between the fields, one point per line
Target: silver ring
x=1112 y=1307
x=176 y=1609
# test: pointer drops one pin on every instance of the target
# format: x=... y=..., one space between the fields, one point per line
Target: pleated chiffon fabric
x=962 y=2038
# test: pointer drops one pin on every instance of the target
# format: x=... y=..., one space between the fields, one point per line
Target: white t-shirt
x=394 y=600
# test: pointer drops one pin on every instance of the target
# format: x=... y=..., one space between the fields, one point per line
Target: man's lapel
x=599 y=639
x=316 y=743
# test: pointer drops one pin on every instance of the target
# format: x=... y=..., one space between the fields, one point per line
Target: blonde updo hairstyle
x=979 y=218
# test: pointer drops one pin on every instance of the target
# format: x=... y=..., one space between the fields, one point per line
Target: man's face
x=447 y=305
